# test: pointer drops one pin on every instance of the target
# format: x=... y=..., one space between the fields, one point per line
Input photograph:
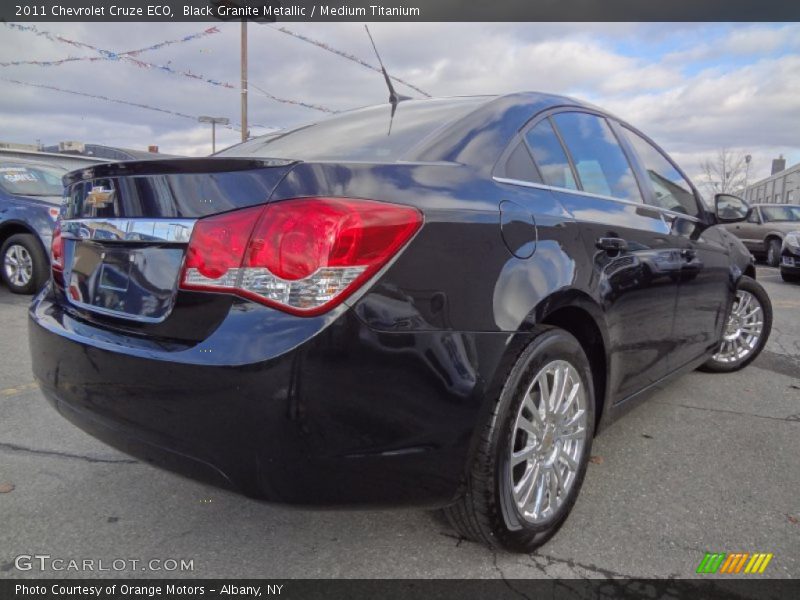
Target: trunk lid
x=125 y=228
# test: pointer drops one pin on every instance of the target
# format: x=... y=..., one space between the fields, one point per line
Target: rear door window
x=550 y=156
x=671 y=190
x=598 y=158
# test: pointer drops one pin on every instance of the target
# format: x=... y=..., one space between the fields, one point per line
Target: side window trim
x=630 y=155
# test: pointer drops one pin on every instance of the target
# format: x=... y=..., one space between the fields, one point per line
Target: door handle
x=688 y=254
x=611 y=244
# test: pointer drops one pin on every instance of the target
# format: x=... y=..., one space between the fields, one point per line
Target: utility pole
x=747 y=160
x=244 y=80
x=214 y=121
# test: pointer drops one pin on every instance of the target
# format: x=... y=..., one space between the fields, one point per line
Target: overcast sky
x=694 y=88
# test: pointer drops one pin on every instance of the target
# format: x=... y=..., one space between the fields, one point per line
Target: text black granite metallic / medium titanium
x=441 y=314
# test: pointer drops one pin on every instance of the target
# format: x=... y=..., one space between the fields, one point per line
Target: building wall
x=781 y=188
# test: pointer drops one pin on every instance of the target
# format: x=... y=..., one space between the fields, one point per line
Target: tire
x=773 y=252
x=790 y=278
x=23 y=264
x=744 y=348
x=487 y=511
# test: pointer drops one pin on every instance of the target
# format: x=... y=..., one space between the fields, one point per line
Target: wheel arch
x=9 y=228
x=577 y=314
x=772 y=235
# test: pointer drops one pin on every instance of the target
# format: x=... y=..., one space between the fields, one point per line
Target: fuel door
x=518 y=229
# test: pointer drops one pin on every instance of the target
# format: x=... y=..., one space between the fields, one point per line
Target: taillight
x=304 y=256
x=57 y=250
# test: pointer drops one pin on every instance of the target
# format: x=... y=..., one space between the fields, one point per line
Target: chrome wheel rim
x=548 y=439
x=743 y=329
x=18 y=265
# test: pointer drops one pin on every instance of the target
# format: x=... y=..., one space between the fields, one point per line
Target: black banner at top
x=402 y=10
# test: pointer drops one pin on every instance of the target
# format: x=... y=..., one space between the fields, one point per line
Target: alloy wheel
x=548 y=439
x=18 y=265
x=743 y=329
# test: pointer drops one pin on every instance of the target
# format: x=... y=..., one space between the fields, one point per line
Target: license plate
x=788 y=261
x=123 y=280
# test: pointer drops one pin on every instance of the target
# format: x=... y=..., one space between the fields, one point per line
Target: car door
x=580 y=158
x=705 y=288
x=751 y=232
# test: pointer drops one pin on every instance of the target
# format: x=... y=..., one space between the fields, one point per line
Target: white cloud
x=694 y=87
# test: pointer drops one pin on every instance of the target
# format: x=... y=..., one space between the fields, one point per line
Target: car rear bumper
x=339 y=414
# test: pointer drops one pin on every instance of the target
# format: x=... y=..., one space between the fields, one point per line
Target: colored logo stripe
x=720 y=562
x=758 y=563
x=711 y=562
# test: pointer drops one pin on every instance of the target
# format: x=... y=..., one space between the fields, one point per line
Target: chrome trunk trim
x=170 y=231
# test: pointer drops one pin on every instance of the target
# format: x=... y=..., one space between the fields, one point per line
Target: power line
x=174 y=113
x=347 y=55
x=104 y=54
x=127 y=57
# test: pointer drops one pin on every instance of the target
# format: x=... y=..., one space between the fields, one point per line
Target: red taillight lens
x=57 y=250
x=304 y=256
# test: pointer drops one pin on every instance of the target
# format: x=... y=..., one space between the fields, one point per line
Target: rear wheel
x=773 y=252
x=24 y=264
x=747 y=329
x=533 y=450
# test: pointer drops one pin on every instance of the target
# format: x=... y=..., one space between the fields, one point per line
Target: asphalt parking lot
x=708 y=464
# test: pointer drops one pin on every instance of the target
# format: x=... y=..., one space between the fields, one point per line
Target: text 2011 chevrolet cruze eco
x=441 y=316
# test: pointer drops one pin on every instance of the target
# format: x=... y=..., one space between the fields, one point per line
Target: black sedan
x=790 y=256
x=30 y=195
x=443 y=313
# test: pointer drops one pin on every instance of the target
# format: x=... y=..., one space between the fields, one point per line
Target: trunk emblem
x=99 y=196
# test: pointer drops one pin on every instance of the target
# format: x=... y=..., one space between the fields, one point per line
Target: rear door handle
x=688 y=253
x=611 y=244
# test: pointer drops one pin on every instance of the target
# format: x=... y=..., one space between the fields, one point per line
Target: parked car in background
x=790 y=256
x=443 y=315
x=30 y=198
x=765 y=228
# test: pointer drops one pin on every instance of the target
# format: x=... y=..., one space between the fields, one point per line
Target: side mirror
x=731 y=209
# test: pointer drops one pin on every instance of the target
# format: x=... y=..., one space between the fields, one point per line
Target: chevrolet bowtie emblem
x=99 y=196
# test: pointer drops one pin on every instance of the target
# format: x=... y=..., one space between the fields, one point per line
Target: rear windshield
x=25 y=180
x=361 y=134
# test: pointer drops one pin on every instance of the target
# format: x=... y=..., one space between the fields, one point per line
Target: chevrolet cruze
x=438 y=308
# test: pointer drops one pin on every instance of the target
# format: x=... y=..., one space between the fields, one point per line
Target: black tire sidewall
x=38 y=256
x=511 y=529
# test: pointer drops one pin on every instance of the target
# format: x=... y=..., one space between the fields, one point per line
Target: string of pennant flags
x=347 y=55
x=175 y=113
x=104 y=54
x=130 y=57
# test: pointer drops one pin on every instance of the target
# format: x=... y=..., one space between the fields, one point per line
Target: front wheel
x=746 y=331
x=533 y=450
